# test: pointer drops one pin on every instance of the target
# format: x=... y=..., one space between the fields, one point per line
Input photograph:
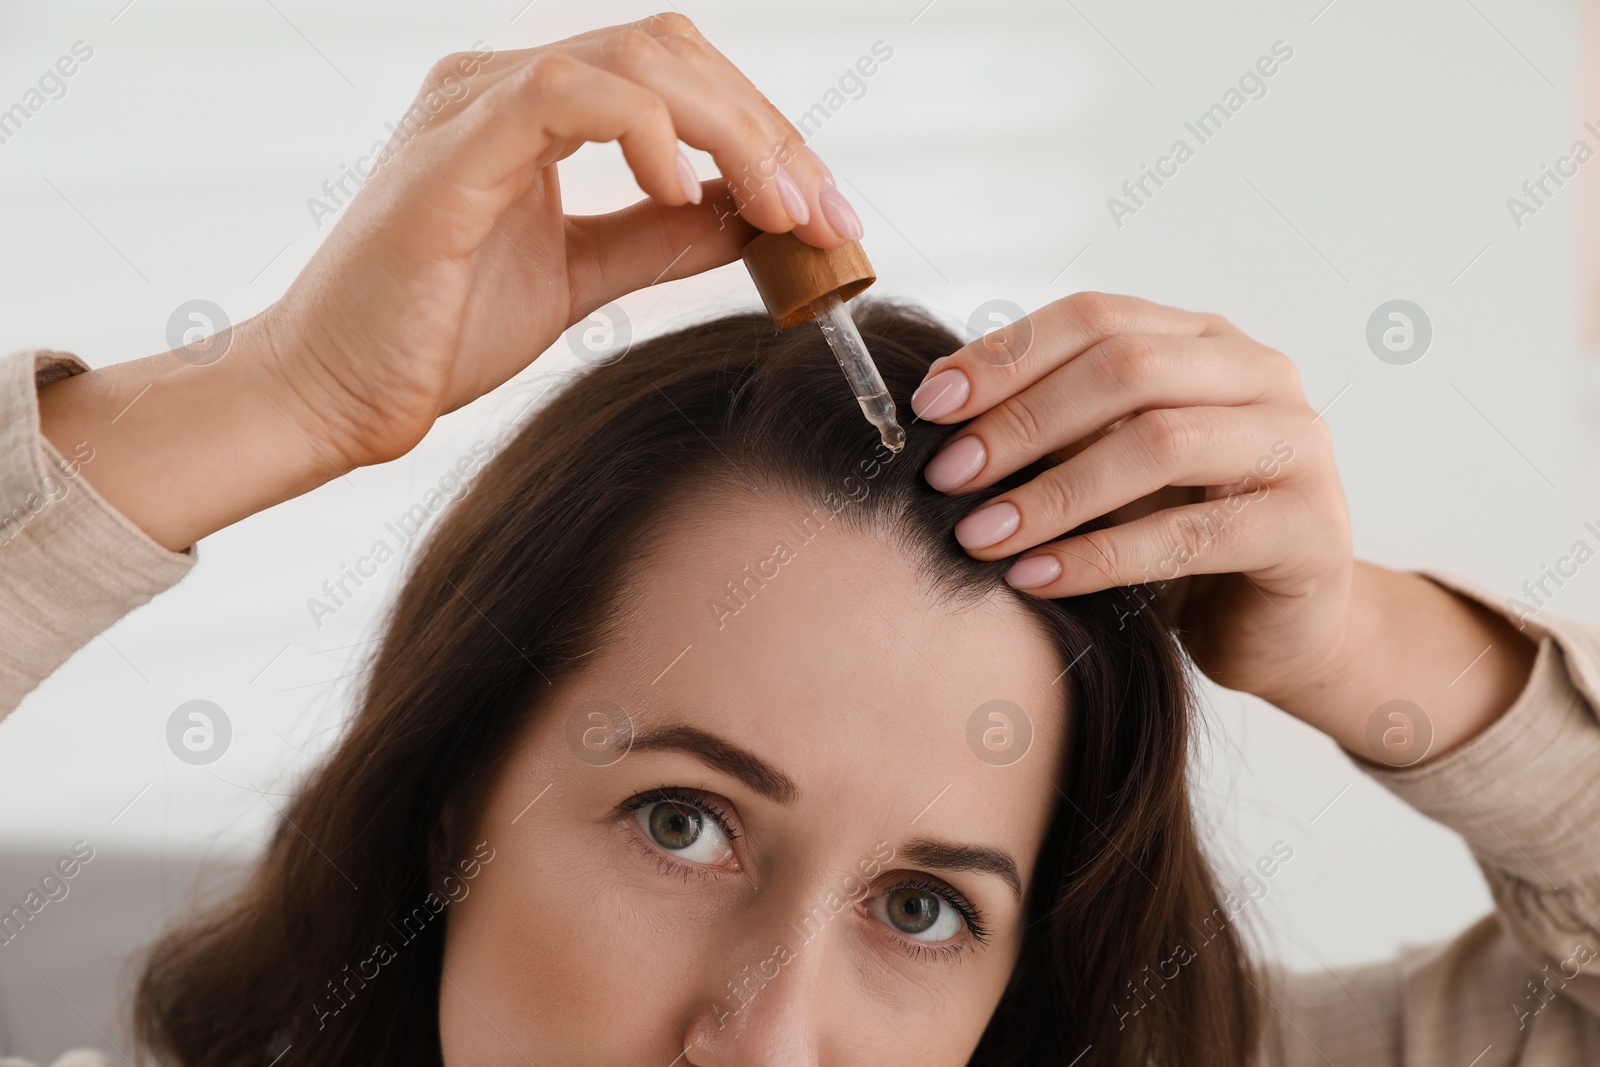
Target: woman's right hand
x=449 y=271
x=454 y=266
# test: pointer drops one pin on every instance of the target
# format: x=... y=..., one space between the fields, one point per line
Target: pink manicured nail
x=988 y=525
x=794 y=201
x=840 y=215
x=1033 y=571
x=955 y=464
x=691 y=184
x=941 y=394
x=827 y=175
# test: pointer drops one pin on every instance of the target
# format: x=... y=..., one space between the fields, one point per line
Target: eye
x=917 y=912
x=685 y=830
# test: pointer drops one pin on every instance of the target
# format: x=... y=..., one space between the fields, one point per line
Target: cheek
x=558 y=954
x=948 y=1006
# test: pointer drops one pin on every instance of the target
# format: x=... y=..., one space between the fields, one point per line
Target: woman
x=694 y=735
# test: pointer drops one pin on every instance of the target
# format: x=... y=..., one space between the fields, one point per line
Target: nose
x=770 y=1012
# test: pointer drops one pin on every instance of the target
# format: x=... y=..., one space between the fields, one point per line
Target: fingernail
x=955 y=464
x=840 y=215
x=941 y=394
x=988 y=525
x=1035 y=570
x=827 y=175
x=794 y=202
x=691 y=184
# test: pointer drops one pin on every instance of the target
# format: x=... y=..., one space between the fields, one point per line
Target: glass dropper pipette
x=839 y=329
x=798 y=281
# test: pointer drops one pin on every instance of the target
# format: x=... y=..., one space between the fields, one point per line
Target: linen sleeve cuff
x=1522 y=792
x=70 y=563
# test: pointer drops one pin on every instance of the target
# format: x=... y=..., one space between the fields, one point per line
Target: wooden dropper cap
x=790 y=274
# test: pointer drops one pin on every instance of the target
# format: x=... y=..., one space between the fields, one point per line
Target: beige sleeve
x=70 y=563
x=1522 y=985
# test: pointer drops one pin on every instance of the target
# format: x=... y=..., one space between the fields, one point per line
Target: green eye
x=917 y=913
x=674 y=826
x=911 y=910
x=685 y=831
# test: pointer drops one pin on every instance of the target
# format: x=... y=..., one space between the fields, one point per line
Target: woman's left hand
x=1198 y=443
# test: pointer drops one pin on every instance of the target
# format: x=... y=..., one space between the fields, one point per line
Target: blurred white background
x=981 y=156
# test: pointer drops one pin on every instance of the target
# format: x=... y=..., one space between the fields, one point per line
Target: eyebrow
x=948 y=856
x=723 y=755
x=766 y=780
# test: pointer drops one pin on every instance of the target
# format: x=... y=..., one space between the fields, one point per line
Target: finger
x=985 y=371
x=710 y=118
x=490 y=152
x=452 y=82
x=837 y=222
x=485 y=67
x=1226 y=535
x=728 y=118
x=1157 y=448
x=493 y=67
x=649 y=242
x=1122 y=375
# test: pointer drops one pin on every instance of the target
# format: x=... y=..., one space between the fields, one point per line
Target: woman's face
x=786 y=828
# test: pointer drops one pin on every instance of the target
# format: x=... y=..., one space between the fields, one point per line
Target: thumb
x=649 y=242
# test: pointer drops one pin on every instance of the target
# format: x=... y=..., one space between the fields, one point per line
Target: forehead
x=817 y=646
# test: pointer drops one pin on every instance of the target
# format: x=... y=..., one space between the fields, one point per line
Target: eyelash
x=964 y=907
x=970 y=915
x=675 y=795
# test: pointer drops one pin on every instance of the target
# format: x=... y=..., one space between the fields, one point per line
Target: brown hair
x=1123 y=953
